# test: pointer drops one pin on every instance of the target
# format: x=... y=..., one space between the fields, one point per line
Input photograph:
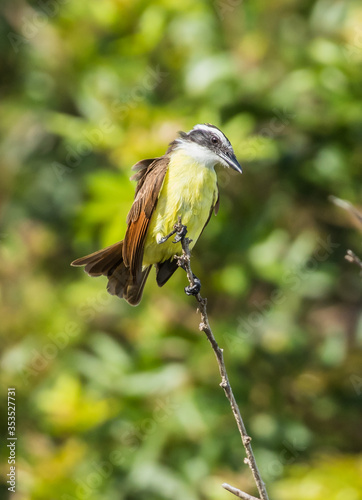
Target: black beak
x=231 y=160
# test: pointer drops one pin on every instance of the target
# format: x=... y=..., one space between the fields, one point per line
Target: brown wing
x=150 y=178
x=141 y=168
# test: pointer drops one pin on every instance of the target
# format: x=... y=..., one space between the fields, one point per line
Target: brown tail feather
x=109 y=262
x=98 y=263
x=121 y=283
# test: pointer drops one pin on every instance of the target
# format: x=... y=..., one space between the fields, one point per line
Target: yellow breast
x=189 y=190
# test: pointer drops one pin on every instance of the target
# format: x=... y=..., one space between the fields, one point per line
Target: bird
x=181 y=183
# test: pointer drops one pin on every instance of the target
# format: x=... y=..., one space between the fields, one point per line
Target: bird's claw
x=164 y=239
x=180 y=234
x=195 y=288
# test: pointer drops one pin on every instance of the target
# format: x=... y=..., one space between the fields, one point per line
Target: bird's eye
x=214 y=139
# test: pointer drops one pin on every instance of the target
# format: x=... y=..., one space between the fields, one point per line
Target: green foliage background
x=115 y=402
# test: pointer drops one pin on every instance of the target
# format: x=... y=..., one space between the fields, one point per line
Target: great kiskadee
x=183 y=183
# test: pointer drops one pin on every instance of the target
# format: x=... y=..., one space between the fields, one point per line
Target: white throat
x=198 y=154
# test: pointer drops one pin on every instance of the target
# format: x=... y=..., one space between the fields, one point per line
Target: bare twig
x=184 y=262
x=352 y=257
x=346 y=205
x=238 y=493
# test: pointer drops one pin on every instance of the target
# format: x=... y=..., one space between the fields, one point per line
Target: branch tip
x=352 y=257
x=346 y=205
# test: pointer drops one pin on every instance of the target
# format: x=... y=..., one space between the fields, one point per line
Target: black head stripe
x=204 y=135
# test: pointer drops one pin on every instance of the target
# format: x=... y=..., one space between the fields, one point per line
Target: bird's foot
x=165 y=238
x=180 y=234
x=195 y=288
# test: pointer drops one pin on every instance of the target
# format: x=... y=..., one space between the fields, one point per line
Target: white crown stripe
x=212 y=130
